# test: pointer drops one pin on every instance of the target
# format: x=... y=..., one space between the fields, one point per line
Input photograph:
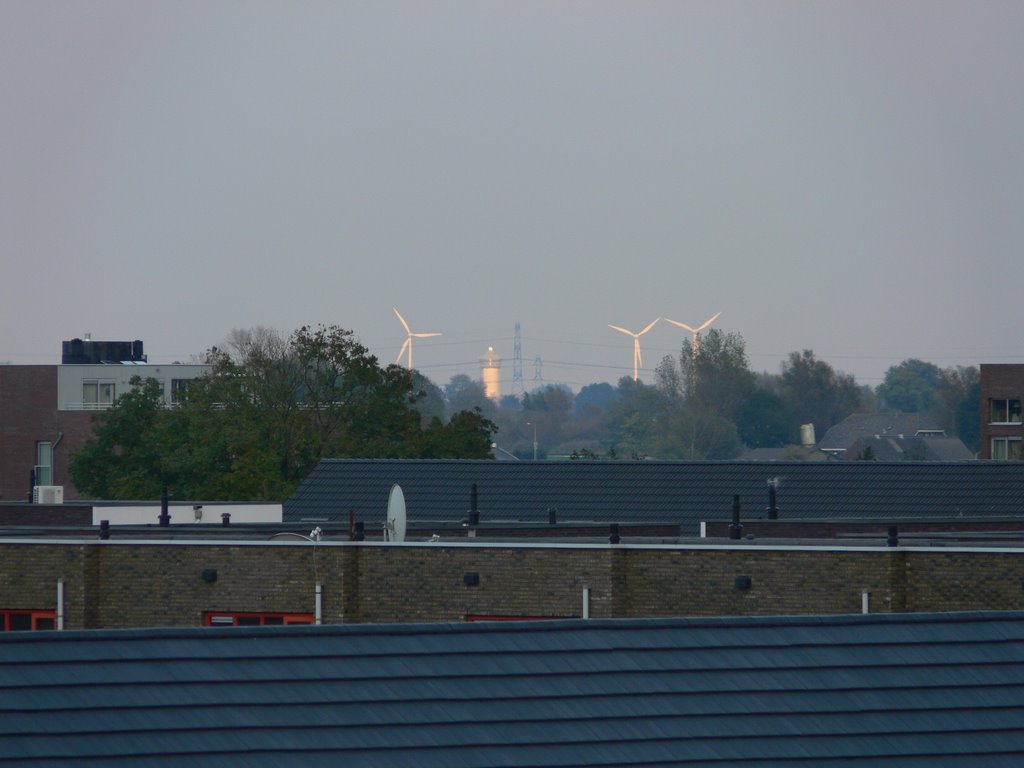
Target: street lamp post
x=531 y=424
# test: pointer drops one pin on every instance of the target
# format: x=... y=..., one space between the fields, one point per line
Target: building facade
x=1002 y=429
x=46 y=414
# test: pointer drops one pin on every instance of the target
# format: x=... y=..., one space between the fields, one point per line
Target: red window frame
x=255 y=619
x=39 y=621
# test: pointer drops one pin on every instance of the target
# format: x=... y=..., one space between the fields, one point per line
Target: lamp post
x=531 y=424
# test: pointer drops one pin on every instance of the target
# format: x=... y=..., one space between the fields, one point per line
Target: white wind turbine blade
x=707 y=323
x=404 y=324
x=652 y=324
x=682 y=325
x=622 y=330
x=425 y=335
x=638 y=360
x=407 y=345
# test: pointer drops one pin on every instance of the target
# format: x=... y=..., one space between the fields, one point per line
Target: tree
x=547 y=409
x=967 y=417
x=464 y=394
x=258 y=423
x=764 y=421
x=127 y=457
x=595 y=396
x=428 y=398
x=911 y=387
x=718 y=378
x=691 y=432
x=817 y=394
x=632 y=418
x=959 y=396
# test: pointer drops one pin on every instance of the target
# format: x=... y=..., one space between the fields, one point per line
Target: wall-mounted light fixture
x=743 y=582
x=471 y=578
x=209 y=575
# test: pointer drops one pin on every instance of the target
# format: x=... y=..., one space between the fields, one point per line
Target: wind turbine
x=696 y=331
x=637 y=360
x=408 y=339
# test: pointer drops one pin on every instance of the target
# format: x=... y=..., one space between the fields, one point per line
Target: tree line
x=268 y=411
x=272 y=406
x=711 y=405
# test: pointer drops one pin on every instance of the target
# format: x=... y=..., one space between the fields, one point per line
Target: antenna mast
x=517 y=364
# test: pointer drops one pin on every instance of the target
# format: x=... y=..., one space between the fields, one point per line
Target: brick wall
x=28 y=413
x=999 y=381
x=112 y=585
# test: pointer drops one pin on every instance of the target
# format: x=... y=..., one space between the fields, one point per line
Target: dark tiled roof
x=658 y=492
x=910 y=448
x=858 y=425
x=926 y=689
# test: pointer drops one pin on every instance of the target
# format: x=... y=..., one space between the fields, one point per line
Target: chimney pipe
x=613 y=533
x=104 y=529
x=474 y=511
x=552 y=515
x=893 y=539
x=773 y=506
x=225 y=519
x=360 y=531
x=165 y=518
x=735 y=528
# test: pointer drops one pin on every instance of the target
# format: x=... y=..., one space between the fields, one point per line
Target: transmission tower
x=517 y=364
x=537 y=375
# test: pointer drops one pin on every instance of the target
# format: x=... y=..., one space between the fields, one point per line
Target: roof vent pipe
x=165 y=517
x=104 y=530
x=613 y=533
x=735 y=528
x=773 y=506
x=552 y=515
x=893 y=539
x=225 y=519
x=474 y=510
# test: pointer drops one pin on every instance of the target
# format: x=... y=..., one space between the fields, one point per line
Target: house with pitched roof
x=865 y=427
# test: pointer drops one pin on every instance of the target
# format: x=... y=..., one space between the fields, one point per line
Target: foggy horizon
x=841 y=177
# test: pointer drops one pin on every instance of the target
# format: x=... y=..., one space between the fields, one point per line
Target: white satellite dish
x=394 y=526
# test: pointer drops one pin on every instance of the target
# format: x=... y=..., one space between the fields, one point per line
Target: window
x=26 y=621
x=44 y=463
x=252 y=619
x=1004 y=411
x=1007 y=448
x=178 y=389
x=97 y=394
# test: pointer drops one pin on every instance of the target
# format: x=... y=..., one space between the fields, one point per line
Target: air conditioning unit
x=48 y=494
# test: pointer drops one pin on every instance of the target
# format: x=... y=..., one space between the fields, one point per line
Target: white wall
x=182 y=512
x=70 y=378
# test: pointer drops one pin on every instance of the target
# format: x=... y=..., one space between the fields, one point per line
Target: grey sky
x=840 y=176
